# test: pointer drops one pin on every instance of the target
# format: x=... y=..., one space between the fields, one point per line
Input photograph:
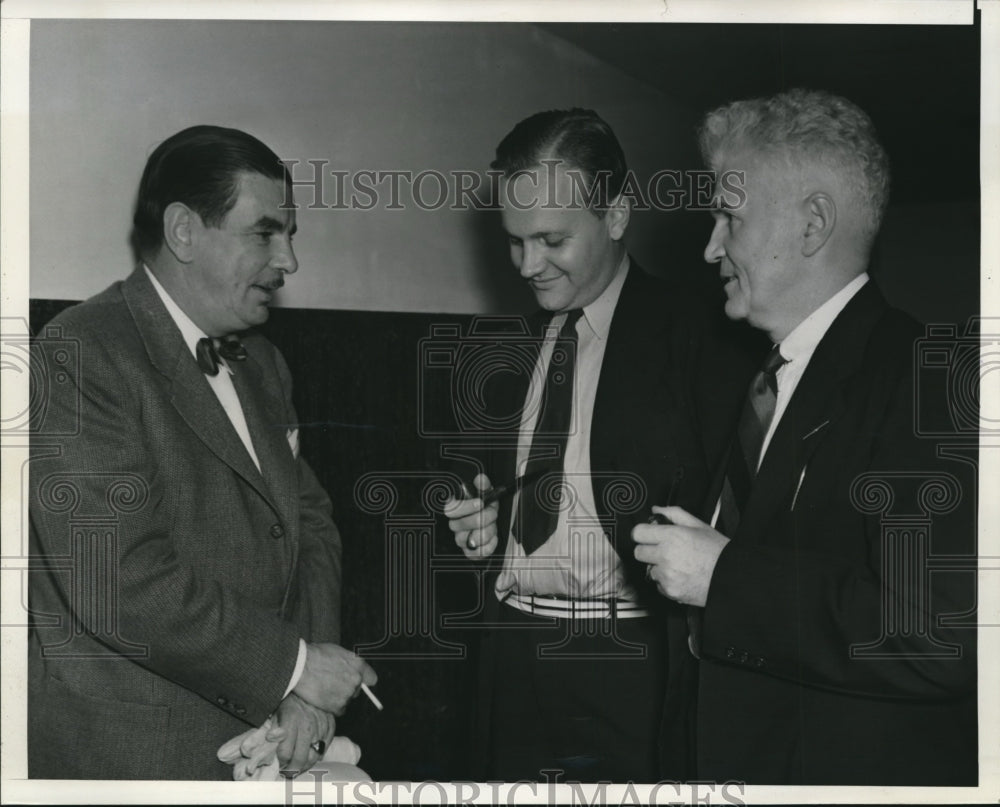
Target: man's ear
x=821 y=219
x=179 y=222
x=617 y=216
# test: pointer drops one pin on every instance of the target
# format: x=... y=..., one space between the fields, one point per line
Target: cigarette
x=371 y=696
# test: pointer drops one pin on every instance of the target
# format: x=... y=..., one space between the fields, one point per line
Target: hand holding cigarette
x=332 y=676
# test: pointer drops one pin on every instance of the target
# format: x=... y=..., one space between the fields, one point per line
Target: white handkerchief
x=293 y=441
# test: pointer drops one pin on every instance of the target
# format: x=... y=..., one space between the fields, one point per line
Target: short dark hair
x=810 y=125
x=200 y=167
x=580 y=138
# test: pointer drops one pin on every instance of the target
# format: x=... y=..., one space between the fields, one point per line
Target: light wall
x=376 y=96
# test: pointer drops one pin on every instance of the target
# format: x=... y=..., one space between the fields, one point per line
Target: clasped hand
x=681 y=555
x=300 y=729
x=331 y=678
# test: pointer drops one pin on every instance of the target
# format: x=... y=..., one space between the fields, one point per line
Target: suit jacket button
x=730 y=652
x=277 y=531
x=759 y=661
x=240 y=710
x=220 y=700
x=744 y=657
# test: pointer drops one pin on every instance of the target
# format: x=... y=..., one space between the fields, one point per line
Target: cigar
x=494 y=494
x=672 y=496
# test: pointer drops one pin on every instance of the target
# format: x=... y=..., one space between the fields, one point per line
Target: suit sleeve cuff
x=300 y=665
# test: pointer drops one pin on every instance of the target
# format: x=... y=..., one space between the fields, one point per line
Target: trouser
x=583 y=697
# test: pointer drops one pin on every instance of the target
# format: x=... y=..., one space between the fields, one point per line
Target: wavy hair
x=806 y=125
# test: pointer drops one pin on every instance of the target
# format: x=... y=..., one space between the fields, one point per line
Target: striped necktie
x=744 y=457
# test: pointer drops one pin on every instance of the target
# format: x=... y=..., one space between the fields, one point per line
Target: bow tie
x=211 y=351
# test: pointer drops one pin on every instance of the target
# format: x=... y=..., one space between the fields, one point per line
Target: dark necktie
x=537 y=514
x=210 y=349
x=744 y=457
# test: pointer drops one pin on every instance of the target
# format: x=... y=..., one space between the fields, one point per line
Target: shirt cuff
x=300 y=665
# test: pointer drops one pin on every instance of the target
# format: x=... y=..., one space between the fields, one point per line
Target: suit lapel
x=264 y=411
x=815 y=407
x=716 y=483
x=635 y=340
x=190 y=393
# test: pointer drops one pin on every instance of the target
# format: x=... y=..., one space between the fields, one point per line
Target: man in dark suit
x=188 y=569
x=830 y=653
x=574 y=663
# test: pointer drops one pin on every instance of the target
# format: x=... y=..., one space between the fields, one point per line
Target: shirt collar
x=600 y=312
x=801 y=343
x=189 y=331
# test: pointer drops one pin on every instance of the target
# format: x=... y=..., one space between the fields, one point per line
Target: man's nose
x=532 y=261
x=284 y=257
x=715 y=249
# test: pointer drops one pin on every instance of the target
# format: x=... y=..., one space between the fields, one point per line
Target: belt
x=566 y=608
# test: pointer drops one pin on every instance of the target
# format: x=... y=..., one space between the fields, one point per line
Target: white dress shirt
x=577 y=560
x=221 y=383
x=222 y=386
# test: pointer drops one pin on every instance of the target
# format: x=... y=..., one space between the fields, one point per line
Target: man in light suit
x=561 y=580
x=830 y=653
x=188 y=569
